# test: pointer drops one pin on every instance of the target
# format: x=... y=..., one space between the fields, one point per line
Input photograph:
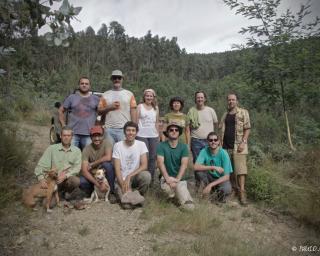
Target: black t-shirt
x=229 y=133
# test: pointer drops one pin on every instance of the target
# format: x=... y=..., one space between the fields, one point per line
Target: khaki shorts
x=239 y=162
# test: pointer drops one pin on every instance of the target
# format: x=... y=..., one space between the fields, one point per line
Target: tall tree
x=277 y=31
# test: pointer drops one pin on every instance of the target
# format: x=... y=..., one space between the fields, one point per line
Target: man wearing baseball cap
x=98 y=154
x=119 y=106
x=172 y=159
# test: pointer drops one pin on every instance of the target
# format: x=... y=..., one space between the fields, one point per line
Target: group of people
x=129 y=144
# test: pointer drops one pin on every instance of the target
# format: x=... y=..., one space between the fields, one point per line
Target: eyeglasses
x=213 y=140
x=116 y=78
x=173 y=130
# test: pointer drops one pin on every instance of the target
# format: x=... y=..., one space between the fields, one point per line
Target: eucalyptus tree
x=275 y=31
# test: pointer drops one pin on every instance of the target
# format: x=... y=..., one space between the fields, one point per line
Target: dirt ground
x=105 y=229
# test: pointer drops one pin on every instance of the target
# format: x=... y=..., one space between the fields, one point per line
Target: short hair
x=176 y=98
x=130 y=124
x=83 y=77
x=233 y=93
x=212 y=134
x=66 y=128
x=195 y=95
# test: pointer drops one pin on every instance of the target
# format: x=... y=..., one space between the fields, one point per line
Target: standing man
x=203 y=120
x=63 y=157
x=130 y=162
x=81 y=109
x=119 y=106
x=98 y=154
x=235 y=129
x=172 y=159
x=213 y=168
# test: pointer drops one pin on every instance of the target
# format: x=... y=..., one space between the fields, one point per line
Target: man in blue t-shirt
x=213 y=168
x=82 y=113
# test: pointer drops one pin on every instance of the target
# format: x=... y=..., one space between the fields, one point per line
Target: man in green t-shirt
x=213 y=168
x=172 y=159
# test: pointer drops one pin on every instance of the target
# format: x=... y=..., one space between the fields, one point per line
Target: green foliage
x=14 y=153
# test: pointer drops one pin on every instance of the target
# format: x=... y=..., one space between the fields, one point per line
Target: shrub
x=13 y=156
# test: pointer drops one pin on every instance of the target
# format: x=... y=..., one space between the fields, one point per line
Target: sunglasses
x=173 y=130
x=116 y=77
x=213 y=140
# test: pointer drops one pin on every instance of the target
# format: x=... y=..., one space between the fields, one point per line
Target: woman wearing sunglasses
x=213 y=168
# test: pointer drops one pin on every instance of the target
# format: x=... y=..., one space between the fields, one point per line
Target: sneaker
x=243 y=197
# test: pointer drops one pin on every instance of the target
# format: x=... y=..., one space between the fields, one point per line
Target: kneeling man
x=213 y=168
x=130 y=163
x=98 y=154
x=63 y=157
x=172 y=159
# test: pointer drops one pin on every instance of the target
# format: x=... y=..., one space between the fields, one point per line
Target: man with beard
x=235 y=129
x=172 y=159
x=118 y=105
x=81 y=110
x=98 y=154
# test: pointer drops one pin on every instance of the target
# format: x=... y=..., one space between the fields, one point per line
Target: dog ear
x=93 y=171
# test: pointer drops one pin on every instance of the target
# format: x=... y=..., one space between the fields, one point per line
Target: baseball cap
x=97 y=129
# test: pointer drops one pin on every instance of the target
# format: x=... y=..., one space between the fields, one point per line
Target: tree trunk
x=286 y=116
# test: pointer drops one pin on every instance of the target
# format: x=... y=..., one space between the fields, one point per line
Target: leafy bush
x=262 y=185
x=13 y=157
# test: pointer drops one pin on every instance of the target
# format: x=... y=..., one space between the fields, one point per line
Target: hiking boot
x=112 y=198
x=243 y=197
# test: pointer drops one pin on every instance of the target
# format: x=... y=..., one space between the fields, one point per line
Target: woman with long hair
x=148 y=120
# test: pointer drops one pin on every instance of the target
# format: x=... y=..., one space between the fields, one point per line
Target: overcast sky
x=201 y=26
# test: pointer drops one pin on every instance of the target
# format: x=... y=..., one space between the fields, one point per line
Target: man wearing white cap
x=119 y=106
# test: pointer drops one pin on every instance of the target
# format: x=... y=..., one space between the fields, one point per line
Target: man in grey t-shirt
x=82 y=113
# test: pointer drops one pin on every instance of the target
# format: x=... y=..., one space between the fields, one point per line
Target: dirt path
x=105 y=229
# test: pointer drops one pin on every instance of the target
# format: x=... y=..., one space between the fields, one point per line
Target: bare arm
x=142 y=167
x=204 y=168
x=86 y=173
x=163 y=170
x=244 y=141
x=183 y=167
x=222 y=179
x=133 y=114
x=107 y=157
x=116 y=165
x=187 y=132
x=103 y=110
x=62 y=119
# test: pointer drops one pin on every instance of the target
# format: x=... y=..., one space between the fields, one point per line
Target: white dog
x=98 y=174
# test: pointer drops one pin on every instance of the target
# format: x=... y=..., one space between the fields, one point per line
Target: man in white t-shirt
x=118 y=106
x=203 y=120
x=130 y=162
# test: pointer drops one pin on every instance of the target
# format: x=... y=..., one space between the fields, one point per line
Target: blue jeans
x=114 y=135
x=109 y=172
x=196 y=146
x=151 y=144
x=80 y=141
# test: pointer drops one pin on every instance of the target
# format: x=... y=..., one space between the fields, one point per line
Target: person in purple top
x=82 y=113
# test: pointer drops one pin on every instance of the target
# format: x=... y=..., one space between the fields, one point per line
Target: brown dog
x=31 y=194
